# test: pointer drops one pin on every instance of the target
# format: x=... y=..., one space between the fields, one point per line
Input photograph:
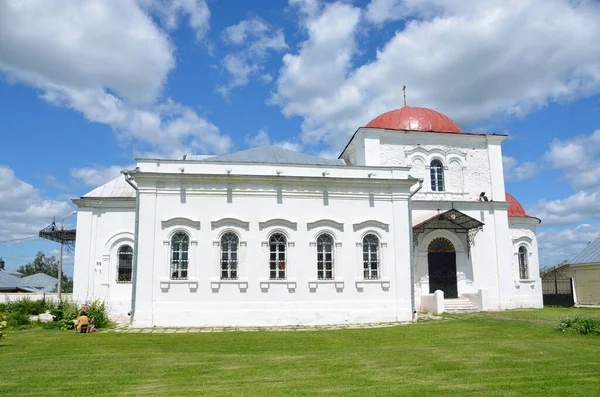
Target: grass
x=489 y=354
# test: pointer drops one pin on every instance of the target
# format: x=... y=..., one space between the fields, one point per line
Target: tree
x=47 y=265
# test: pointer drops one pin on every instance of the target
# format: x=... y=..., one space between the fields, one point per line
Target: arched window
x=325 y=257
x=371 y=257
x=277 y=258
x=229 y=256
x=437 y=176
x=523 y=272
x=125 y=264
x=179 y=256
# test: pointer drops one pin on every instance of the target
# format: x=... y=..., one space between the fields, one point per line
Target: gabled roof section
x=40 y=282
x=450 y=220
x=116 y=188
x=590 y=254
x=272 y=155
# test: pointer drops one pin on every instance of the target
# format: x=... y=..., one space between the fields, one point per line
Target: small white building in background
x=268 y=236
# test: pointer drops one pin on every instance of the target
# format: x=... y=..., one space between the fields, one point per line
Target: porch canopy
x=452 y=220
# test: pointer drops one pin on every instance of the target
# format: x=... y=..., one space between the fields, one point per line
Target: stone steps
x=460 y=305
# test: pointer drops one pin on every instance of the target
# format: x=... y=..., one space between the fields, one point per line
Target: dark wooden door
x=442 y=273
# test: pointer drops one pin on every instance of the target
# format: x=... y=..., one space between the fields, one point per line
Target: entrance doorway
x=441 y=257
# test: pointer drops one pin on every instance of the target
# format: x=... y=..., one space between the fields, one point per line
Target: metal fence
x=557 y=290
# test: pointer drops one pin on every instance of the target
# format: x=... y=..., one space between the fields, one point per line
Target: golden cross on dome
x=404 y=90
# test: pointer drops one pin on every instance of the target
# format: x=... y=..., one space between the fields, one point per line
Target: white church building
x=269 y=236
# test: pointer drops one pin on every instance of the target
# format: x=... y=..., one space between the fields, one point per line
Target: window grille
x=179 y=256
x=523 y=263
x=125 y=264
x=325 y=257
x=371 y=257
x=277 y=257
x=437 y=176
x=229 y=256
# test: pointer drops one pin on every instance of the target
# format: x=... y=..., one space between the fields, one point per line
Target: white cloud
x=311 y=83
x=518 y=171
x=108 y=61
x=170 y=11
x=470 y=60
x=23 y=210
x=578 y=159
x=555 y=246
x=98 y=175
x=262 y=138
x=253 y=40
x=573 y=209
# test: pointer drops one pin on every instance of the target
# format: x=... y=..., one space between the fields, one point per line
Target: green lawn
x=494 y=354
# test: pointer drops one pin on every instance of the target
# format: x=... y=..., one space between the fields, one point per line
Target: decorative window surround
x=232 y=222
x=242 y=283
x=165 y=283
x=370 y=224
x=313 y=283
x=338 y=244
x=180 y=221
x=325 y=223
x=278 y=222
x=384 y=244
x=290 y=244
x=291 y=283
x=384 y=282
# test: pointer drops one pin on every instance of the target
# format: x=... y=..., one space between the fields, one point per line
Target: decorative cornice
x=371 y=224
x=278 y=222
x=230 y=222
x=325 y=223
x=180 y=221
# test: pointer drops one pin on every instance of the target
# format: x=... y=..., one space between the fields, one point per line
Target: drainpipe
x=129 y=179
x=412 y=248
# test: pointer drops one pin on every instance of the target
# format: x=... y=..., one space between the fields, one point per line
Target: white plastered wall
x=527 y=292
x=101 y=231
x=204 y=299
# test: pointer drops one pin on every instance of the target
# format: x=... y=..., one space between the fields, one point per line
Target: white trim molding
x=279 y=223
x=370 y=224
x=327 y=223
x=180 y=221
x=266 y=283
x=230 y=222
x=242 y=283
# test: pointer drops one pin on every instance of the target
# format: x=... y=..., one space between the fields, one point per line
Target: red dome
x=415 y=119
x=515 y=208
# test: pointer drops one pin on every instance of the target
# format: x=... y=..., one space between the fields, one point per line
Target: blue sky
x=86 y=86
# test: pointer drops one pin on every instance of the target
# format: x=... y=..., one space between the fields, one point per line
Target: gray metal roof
x=115 y=188
x=590 y=254
x=35 y=283
x=8 y=281
x=271 y=155
x=40 y=282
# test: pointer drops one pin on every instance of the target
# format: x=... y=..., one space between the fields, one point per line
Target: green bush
x=64 y=313
x=26 y=306
x=17 y=320
x=98 y=314
x=2 y=327
x=583 y=324
x=16 y=313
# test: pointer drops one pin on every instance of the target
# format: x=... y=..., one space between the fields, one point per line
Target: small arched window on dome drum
x=437 y=176
x=523 y=271
x=125 y=266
